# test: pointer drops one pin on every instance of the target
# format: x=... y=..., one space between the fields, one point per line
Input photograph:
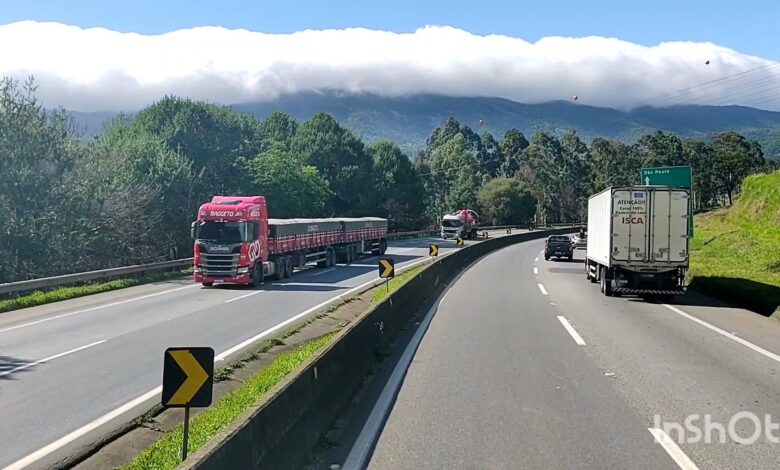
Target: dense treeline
x=127 y=196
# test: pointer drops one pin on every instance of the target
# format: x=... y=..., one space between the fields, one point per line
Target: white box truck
x=638 y=240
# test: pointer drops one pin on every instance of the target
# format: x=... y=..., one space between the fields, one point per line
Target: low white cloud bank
x=100 y=69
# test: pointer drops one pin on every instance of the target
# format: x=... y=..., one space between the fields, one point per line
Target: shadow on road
x=729 y=292
x=301 y=287
x=8 y=365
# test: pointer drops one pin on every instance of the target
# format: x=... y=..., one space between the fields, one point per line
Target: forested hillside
x=127 y=196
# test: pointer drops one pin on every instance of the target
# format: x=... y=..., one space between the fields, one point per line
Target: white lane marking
x=24 y=325
x=50 y=358
x=363 y=445
x=536 y=270
x=244 y=296
x=44 y=451
x=671 y=448
x=323 y=272
x=577 y=338
x=536 y=260
x=541 y=288
x=67 y=439
x=736 y=338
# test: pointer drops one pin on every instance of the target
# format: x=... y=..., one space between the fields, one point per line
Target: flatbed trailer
x=235 y=241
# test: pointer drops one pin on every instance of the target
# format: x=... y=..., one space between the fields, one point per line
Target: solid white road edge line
x=577 y=338
x=44 y=451
x=714 y=328
x=541 y=288
x=364 y=444
x=91 y=426
x=671 y=448
x=50 y=358
x=63 y=315
x=536 y=270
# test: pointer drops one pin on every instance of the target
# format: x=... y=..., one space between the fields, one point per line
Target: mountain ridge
x=409 y=120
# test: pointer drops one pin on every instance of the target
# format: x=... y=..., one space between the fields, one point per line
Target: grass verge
x=735 y=255
x=66 y=293
x=383 y=291
x=165 y=453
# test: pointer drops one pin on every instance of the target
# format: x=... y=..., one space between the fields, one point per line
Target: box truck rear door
x=669 y=225
x=629 y=225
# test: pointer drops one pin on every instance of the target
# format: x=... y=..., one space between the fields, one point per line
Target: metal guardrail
x=113 y=273
x=100 y=274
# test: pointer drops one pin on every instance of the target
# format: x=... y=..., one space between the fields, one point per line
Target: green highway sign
x=674 y=176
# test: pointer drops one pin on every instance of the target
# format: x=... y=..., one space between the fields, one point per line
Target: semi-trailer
x=236 y=242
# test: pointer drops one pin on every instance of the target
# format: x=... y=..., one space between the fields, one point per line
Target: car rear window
x=559 y=239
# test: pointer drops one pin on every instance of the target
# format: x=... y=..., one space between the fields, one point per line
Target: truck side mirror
x=193 y=228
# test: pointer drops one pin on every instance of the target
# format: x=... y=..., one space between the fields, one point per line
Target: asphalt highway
x=74 y=370
x=526 y=365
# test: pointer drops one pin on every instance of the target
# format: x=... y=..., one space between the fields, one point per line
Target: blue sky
x=749 y=26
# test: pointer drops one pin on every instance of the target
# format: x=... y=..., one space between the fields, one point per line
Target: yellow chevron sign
x=188 y=377
x=433 y=250
x=460 y=241
x=386 y=267
x=485 y=235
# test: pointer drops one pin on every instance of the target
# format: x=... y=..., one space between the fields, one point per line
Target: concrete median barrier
x=281 y=431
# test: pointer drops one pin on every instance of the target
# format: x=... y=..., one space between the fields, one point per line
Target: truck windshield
x=227 y=232
x=451 y=223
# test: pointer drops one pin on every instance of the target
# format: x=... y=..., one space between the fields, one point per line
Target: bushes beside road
x=735 y=254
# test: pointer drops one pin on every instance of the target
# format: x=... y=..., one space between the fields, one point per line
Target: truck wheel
x=547 y=257
x=382 y=246
x=257 y=275
x=281 y=269
x=606 y=284
x=350 y=253
x=207 y=284
x=329 y=258
x=571 y=257
x=289 y=265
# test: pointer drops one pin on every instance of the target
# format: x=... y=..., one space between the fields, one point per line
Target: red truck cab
x=231 y=240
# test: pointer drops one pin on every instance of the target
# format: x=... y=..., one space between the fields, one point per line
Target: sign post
x=387 y=270
x=673 y=176
x=188 y=380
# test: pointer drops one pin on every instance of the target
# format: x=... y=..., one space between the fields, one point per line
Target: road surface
x=526 y=365
x=73 y=370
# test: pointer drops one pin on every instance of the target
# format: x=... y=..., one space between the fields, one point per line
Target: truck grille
x=219 y=265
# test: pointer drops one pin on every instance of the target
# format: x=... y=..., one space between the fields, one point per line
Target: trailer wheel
x=281 y=269
x=606 y=284
x=257 y=274
x=289 y=265
x=382 y=246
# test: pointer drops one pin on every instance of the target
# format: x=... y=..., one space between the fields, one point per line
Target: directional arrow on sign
x=188 y=377
x=386 y=268
x=433 y=250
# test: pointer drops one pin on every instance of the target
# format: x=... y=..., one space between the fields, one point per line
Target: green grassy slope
x=735 y=254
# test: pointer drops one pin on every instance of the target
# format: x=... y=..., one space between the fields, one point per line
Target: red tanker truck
x=236 y=242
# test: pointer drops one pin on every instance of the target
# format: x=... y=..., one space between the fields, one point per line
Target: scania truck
x=638 y=241
x=236 y=242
